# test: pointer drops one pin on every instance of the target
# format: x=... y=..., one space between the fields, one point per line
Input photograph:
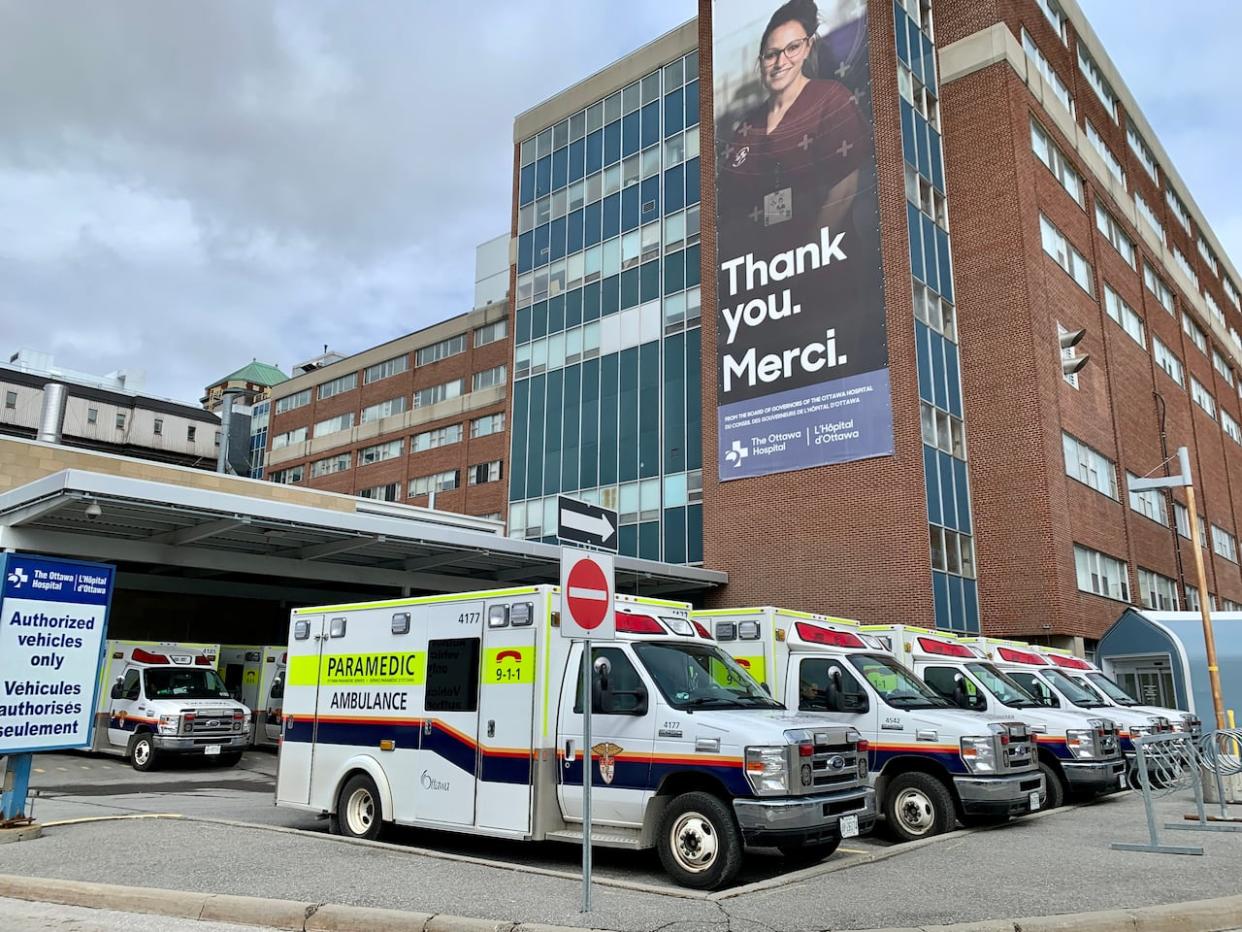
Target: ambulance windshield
x=1006 y=691
x=1108 y=687
x=701 y=676
x=181 y=683
x=1076 y=693
x=896 y=685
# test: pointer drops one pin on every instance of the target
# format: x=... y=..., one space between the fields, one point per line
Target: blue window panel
x=556 y=314
x=573 y=308
x=948 y=497
x=970 y=595
x=694 y=534
x=957 y=611
x=674 y=272
x=907 y=133
x=556 y=240
x=675 y=535
x=920 y=141
x=692 y=104
x=629 y=208
x=692 y=182
x=694 y=412
x=609 y=404
x=923 y=353
x=612 y=142
x=543 y=176
x=952 y=382
x=627 y=540
x=937 y=167
x=517 y=458
x=913 y=219
x=899 y=24
x=539 y=320
x=649 y=411
x=588 y=467
x=577 y=151
x=946 y=272
x=610 y=295
x=630 y=130
x=526 y=184
x=940 y=592
x=649 y=281
x=929 y=62
x=552 y=434
x=940 y=396
x=916 y=53
x=629 y=288
x=693 y=269
x=521 y=329
x=650 y=124
x=963 y=496
x=649 y=199
x=931 y=268
x=591 y=219
x=573 y=235
x=675 y=403
x=590 y=302
x=931 y=479
x=674 y=189
x=560 y=169
x=526 y=251
x=541 y=245
x=534 y=450
x=627 y=448
x=674 y=109
x=612 y=216
x=649 y=540
x=595 y=152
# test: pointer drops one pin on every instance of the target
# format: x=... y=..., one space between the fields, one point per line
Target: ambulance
x=1077 y=752
x=267 y=714
x=241 y=666
x=464 y=713
x=1054 y=689
x=159 y=700
x=929 y=762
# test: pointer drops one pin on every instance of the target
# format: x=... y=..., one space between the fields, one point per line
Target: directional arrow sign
x=581 y=523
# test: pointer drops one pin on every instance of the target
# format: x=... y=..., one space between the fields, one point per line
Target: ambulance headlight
x=168 y=724
x=979 y=754
x=767 y=770
x=1081 y=742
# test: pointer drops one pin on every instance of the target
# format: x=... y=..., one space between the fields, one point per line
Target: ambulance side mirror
x=608 y=702
x=116 y=689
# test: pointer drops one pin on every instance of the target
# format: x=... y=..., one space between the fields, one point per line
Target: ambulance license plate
x=1034 y=802
x=1121 y=780
x=849 y=826
x=212 y=750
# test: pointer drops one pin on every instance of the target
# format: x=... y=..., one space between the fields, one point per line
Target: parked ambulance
x=1077 y=751
x=241 y=667
x=464 y=713
x=929 y=762
x=267 y=714
x=157 y=700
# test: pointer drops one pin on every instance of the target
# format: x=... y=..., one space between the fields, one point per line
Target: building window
x=1192 y=330
x=1149 y=216
x=488 y=378
x=191 y=432
x=1231 y=427
x=1112 y=231
x=1232 y=294
x=1066 y=256
x=10 y=401
x=430 y=439
x=1224 y=544
x=346 y=383
x=382 y=493
x=1090 y=70
x=1214 y=310
x=386 y=369
x=1139 y=147
x=383 y=409
x=437 y=393
x=1123 y=314
x=488 y=424
x=442 y=350
x=440 y=482
x=380 y=452
x=92 y=415
x=943 y=431
x=952 y=552
x=1182 y=263
x=1055 y=160
x=158 y=428
x=1105 y=153
x=1052 y=10
x=1222 y=366
x=288 y=437
x=485 y=472
x=1208 y=256
x=1202 y=397
x=1167 y=361
x=1182 y=518
x=1178 y=208
x=291 y=402
x=490 y=333
x=1157 y=592
x=1055 y=84
x=334 y=424
x=120 y=420
x=934 y=311
x=1089 y=466
x=1149 y=503
x=332 y=464
x=1157 y=287
x=1101 y=574
x=290 y=476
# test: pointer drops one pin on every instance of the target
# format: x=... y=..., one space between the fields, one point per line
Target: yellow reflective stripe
x=382 y=669
x=547 y=661
x=419 y=600
x=505 y=666
x=722 y=612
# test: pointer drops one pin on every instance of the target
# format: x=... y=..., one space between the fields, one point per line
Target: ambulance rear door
x=297 y=749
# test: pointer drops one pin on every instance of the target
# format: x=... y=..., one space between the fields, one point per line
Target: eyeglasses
x=772 y=56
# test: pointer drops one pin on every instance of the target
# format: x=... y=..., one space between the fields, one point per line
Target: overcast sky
x=185 y=186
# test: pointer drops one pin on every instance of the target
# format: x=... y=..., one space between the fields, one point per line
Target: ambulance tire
x=917 y=805
x=358 y=809
x=699 y=842
x=142 y=754
x=1054 y=797
x=806 y=855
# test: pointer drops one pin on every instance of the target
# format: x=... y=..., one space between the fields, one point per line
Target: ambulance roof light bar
x=1070 y=662
x=814 y=634
x=628 y=623
x=1021 y=656
x=944 y=648
x=146 y=656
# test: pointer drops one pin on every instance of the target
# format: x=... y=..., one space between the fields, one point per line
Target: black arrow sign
x=581 y=523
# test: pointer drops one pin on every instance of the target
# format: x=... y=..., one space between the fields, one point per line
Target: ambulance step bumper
x=601 y=836
x=803 y=818
x=1000 y=796
x=1095 y=777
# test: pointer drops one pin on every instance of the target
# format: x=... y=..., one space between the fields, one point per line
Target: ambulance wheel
x=142 y=753
x=917 y=805
x=358 y=812
x=806 y=855
x=1053 y=786
x=699 y=842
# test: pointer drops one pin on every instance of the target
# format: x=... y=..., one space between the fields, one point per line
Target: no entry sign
x=587 y=591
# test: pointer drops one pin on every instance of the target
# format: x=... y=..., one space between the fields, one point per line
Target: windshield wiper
x=912 y=702
x=699 y=702
x=767 y=701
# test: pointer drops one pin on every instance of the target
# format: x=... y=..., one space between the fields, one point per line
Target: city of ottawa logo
x=18 y=578
x=737 y=453
x=607 y=753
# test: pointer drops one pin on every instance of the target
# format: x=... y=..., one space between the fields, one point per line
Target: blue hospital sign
x=53 y=622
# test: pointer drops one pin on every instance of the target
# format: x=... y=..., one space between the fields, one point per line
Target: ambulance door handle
x=491 y=728
x=569 y=752
x=427 y=727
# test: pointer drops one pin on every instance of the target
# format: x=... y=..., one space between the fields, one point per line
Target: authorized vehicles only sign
x=53 y=624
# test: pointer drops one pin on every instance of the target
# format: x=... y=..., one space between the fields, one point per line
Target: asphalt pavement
x=1059 y=862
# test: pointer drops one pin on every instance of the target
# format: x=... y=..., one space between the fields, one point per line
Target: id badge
x=778 y=207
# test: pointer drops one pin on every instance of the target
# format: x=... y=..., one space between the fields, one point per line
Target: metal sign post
x=587 y=776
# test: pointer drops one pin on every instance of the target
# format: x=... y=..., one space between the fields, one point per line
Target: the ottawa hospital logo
x=738 y=452
x=607 y=753
x=18 y=578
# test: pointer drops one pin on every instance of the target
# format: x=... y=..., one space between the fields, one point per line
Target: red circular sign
x=588 y=596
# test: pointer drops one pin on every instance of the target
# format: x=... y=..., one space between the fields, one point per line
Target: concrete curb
x=21 y=833
x=1216 y=915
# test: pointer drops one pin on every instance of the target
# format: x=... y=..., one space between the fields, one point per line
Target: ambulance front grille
x=209 y=722
x=833 y=765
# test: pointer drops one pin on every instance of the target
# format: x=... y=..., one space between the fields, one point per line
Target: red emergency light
x=944 y=648
x=202 y=660
x=1070 y=663
x=703 y=632
x=814 y=634
x=1021 y=656
x=637 y=624
x=145 y=656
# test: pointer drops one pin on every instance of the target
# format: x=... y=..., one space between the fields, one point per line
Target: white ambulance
x=1076 y=752
x=241 y=667
x=929 y=762
x=463 y=713
x=157 y=700
x=267 y=714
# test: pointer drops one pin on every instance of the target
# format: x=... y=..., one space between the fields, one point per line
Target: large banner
x=801 y=345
